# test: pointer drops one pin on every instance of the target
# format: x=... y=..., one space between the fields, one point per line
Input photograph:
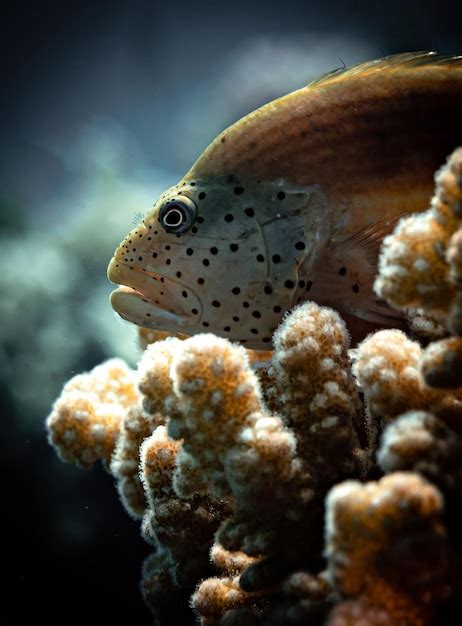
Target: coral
x=220 y=403
x=387 y=548
x=181 y=530
x=317 y=395
x=387 y=367
x=86 y=419
x=227 y=454
x=136 y=426
x=418 y=441
x=424 y=327
x=413 y=267
x=441 y=363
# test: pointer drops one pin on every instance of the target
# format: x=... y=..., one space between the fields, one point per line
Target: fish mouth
x=150 y=299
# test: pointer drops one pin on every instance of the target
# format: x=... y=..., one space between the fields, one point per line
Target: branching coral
x=181 y=530
x=387 y=367
x=414 y=269
x=209 y=447
x=86 y=419
x=387 y=547
x=420 y=442
x=317 y=393
x=227 y=455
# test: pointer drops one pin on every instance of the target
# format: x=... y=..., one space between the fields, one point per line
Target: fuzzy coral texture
x=313 y=484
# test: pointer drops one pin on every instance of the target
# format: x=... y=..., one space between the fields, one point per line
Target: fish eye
x=178 y=215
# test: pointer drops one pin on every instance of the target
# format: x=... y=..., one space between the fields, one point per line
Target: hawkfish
x=292 y=202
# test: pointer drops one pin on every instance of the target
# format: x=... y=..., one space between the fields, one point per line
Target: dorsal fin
x=404 y=60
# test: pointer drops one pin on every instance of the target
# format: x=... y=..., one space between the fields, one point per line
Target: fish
x=292 y=202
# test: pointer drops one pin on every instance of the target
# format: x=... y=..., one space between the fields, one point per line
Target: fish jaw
x=152 y=300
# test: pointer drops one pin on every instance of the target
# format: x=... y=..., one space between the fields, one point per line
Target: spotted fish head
x=221 y=255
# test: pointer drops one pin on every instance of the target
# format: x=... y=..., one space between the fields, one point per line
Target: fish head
x=217 y=254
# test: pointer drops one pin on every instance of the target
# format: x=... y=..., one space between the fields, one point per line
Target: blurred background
x=104 y=106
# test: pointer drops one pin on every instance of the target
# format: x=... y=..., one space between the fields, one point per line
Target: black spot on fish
x=192 y=184
x=236 y=290
x=289 y=284
x=202 y=195
x=140 y=258
x=281 y=195
x=276 y=258
x=238 y=190
x=301 y=283
x=277 y=308
x=254 y=331
x=249 y=212
x=256 y=314
x=229 y=217
x=245 y=305
x=205 y=262
x=300 y=245
x=189 y=251
x=168 y=261
x=233 y=247
x=355 y=288
x=227 y=329
x=214 y=250
x=184 y=294
x=194 y=229
x=235 y=318
x=216 y=304
x=200 y=281
x=194 y=311
x=167 y=247
x=309 y=284
x=342 y=271
x=200 y=219
x=268 y=289
x=178 y=274
x=266 y=339
x=205 y=324
x=260 y=258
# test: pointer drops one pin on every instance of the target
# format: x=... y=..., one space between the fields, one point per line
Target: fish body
x=292 y=203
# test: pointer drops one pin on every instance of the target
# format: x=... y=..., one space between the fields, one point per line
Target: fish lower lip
x=150 y=299
x=134 y=307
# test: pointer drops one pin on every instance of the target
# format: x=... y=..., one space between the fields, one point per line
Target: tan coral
x=317 y=391
x=386 y=546
x=454 y=258
x=185 y=527
x=413 y=268
x=441 y=363
x=86 y=419
x=154 y=378
x=387 y=366
x=235 y=446
x=215 y=596
x=136 y=426
x=420 y=442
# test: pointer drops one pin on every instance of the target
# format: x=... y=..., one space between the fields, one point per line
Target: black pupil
x=173 y=217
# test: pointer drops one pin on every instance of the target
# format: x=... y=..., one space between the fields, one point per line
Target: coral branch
x=86 y=419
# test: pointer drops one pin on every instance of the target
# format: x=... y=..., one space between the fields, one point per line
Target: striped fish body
x=294 y=200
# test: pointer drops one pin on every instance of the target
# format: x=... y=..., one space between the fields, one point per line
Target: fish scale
x=292 y=203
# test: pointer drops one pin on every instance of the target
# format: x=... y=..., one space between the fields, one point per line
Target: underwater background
x=105 y=105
